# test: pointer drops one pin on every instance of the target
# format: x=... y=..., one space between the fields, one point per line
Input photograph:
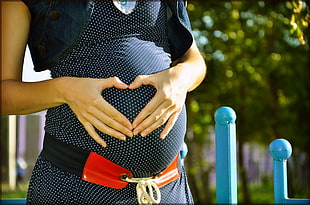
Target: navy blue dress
x=114 y=44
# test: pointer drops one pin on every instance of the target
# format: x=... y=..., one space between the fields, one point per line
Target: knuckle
x=109 y=123
x=167 y=98
x=156 y=117
x=170 y=102
x=115 y=78
x=96 y=101
x=88 y=109
x=139 y=78
x=148 y=112
x=162 y=120
x=175 y=107
x=113 y=115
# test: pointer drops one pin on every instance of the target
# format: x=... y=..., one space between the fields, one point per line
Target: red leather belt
x=112 y=175
x=85 y=164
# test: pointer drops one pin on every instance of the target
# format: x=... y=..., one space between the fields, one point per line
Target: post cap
x=280 y=149
x=225 y=115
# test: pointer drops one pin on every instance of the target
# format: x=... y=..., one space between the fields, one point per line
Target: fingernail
x=162 y=136
x=104 y=144
x=134 y=125
x=130 y=127
x=130 y=134
x=143 y=134
x=131 y=86
x=135 y=132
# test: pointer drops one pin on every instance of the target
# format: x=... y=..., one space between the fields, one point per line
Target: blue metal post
x=281 y=150
x=226 y=162
x=13 y=201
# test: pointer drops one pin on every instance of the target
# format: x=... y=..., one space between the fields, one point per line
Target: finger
x=118 y=121
x=155 y=125
x=108 y=130
x=92 y=132
x=149 y=122
x=139 y=81
x=169 y=125
x=147 y=110
x=114 y=82
x=102 y=117
x=113 y=113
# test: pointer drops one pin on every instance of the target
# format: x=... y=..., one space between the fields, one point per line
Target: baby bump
x=144 y=156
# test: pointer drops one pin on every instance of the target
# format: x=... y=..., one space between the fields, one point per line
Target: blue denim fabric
x=56 y=26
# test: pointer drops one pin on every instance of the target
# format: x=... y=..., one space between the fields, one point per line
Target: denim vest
x=57 y=25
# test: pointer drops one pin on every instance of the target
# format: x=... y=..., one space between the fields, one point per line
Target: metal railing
x=281 y=150
x=226 y=160
x=226 y=165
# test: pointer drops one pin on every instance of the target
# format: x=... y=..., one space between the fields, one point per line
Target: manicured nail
x=130 y=134
x=104 y=144
x=130 y=127
x=135 y=132
x=134 y=125
x=130 y=86
x=143 y=134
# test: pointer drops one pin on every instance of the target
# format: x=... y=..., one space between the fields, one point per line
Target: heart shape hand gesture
x=93 y=111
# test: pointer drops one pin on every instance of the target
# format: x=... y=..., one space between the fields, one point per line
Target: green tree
x=257 y=66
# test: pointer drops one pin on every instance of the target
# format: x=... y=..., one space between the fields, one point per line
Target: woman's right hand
x=83 y=95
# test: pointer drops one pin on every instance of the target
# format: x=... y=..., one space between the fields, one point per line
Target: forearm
x=20 y=98
x=191 y=68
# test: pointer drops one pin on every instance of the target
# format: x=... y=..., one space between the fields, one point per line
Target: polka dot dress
x=114 y=44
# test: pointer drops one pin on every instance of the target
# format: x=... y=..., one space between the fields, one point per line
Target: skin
x=83 y=95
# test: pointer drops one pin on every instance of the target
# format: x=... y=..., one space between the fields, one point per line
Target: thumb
x=114 y=82
x=139 y=80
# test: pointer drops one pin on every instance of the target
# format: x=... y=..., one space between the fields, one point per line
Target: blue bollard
x=226 y=159
x=183 y=152
x=13 y=201
x=281 y=150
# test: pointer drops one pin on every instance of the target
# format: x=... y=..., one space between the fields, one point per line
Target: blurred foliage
x=257 y=54
x=300 y=20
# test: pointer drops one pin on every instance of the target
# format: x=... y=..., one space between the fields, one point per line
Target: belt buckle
x=99 y=170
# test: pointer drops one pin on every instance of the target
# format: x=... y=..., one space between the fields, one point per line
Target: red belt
x=96 y=169
x=112 y=175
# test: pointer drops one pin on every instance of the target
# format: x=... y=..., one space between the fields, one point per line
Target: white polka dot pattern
x=114 y=44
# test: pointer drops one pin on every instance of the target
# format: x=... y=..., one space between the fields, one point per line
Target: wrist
x=192 y=72
x=60 y=86
x=182 y=74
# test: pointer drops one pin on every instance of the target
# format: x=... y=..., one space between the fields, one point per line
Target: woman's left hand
x=172 y=86
x=165 y=105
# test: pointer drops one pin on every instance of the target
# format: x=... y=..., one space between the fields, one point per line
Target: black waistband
x=67 y=157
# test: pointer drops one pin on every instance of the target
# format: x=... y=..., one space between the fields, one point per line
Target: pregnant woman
x=116 y=118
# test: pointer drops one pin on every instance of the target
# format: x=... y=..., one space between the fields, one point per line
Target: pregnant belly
x=144 y=156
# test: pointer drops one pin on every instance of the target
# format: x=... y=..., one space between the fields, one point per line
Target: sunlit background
x=258 y=61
